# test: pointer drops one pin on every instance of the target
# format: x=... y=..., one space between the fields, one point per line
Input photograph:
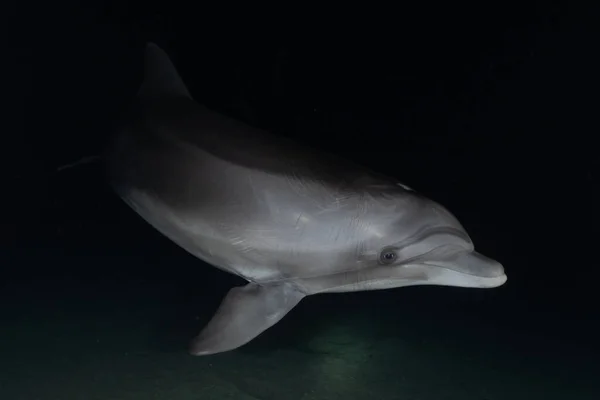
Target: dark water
x=94 y=304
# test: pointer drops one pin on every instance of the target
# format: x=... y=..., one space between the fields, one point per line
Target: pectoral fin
x=245 y=313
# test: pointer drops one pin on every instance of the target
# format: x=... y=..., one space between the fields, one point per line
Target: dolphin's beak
x=468 y=269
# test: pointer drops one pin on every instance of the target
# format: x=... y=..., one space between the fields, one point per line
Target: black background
x=488 y=110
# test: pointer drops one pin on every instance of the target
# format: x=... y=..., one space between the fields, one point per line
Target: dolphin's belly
x=248 y=222
x=178 y=192
x=245 y=241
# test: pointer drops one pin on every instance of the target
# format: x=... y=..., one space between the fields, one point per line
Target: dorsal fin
x=161 y=78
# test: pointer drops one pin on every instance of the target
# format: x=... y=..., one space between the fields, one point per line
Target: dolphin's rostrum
x=290 y=221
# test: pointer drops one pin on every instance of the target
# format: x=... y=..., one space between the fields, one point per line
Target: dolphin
x=289 y=220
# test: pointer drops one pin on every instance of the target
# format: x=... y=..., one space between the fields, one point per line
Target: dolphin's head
x=411 y=240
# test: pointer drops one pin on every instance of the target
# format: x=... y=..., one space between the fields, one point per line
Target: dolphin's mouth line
x=460 y=272
x=304 y=283
x=428 y=232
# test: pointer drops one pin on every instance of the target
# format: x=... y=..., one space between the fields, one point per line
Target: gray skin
x=289 y=220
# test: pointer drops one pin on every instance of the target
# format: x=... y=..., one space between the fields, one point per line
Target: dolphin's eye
x=387 y=256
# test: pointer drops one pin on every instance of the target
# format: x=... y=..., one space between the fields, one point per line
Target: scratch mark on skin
x=298 y=219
